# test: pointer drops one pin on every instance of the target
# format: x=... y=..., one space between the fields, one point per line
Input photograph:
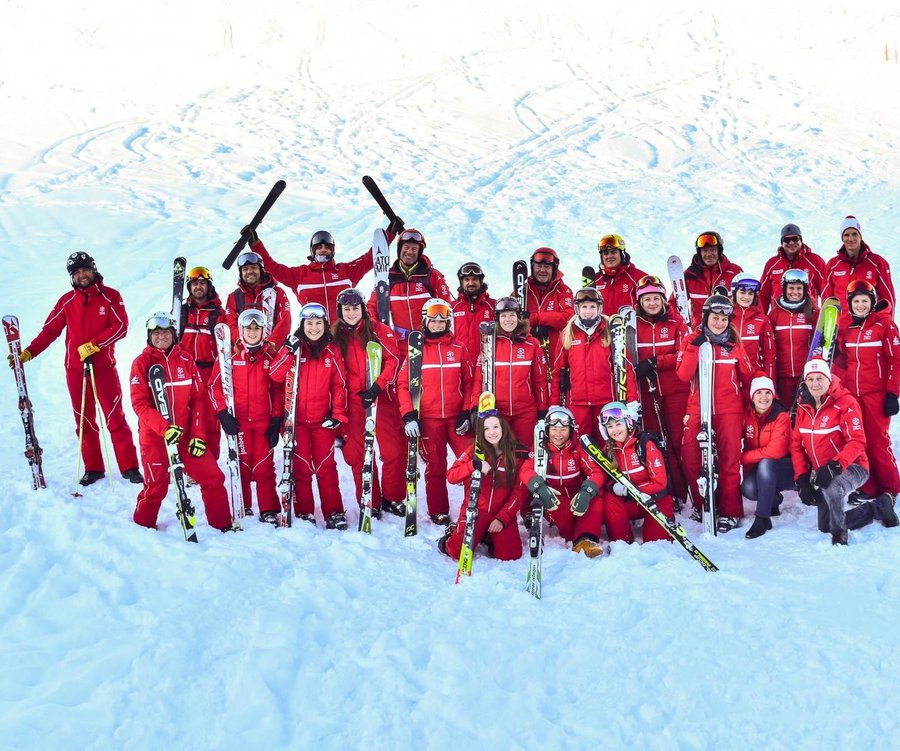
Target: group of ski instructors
x=553 y=363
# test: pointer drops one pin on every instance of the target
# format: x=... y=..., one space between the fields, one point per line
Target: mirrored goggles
x=471 y=269
x=707 y=241
x=249 y=257
x=199 y=272
x=721 y=309
x=350 y=297
x=437 y=310
x=411 y=235
x=312 y=310
x=611 y=242
x=615 y=414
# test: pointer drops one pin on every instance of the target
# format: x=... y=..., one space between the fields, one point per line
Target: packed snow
x=142 y=131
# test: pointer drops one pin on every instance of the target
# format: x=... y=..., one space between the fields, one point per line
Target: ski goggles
x=791 y=239
x=543 y=259
x=251 y=317
x=649 y=284
x=618 y=413
x=795 y=276
x=587 y=295
x=411 y=236
x=312 y=310
x=437 y=310
x=559 y=418
x=707 y=241
x=199 y=272
x=747 y=285
x=860 y=287
x=470 y=269
x=249 y=257
x=160 y=321
x=506 y=304
x=611 y=242
x=721 y=309
x=350 y=297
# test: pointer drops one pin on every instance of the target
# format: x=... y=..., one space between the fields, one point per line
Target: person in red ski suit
x=570 y=489
x=661 y=332
x=854 y=261
x=353 y=330
x=617 y=278
x=765 y=459
x=709 y=269
x=320 y=411
x=253 y=279
x=732 y=375
x=793 y=253
x=322 y=279
x=187 y=427
x=500 y=496
x=473 y=307
x=444 y=414
x=752 y=324
x=200 y=313
x=869 y=366
x=549 y=303
x=520 y=373
x=258 y=412
x=793 y=318
x=584 y=377
x=828 y=451
x=412 y=280
x=94 y=318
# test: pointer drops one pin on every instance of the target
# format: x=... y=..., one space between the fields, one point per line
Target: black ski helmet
x=717 y=304
x=319 y=238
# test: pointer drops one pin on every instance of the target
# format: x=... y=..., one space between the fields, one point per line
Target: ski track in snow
x=493 y=137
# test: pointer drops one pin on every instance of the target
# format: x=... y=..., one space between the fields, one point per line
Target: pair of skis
x=822 y=344
x=542 y=333
x=536 y=532
x=33 y=449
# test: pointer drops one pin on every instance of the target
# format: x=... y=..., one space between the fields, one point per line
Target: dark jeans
x=763 y=481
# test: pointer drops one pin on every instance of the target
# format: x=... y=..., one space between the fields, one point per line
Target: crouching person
x=828 y=450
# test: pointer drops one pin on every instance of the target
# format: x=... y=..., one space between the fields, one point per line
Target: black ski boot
x=884 y=510
x=442 y=541
x=397 y=508
x=442 y=520
x=839 y=537
x=761 y=525
x=91 y=476
x=133 y=476
x=336 y=521
x=269 y=517
x=776 y=505
x=311 y=518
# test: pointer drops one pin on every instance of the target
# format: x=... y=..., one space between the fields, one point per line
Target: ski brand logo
x=382 y=265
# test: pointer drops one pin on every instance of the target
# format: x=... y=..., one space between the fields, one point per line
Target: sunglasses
x=791 y=239
x=413 y=235
x=707 y=241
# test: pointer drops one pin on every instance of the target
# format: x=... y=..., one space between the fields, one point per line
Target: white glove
x=412 y=429
x=619 y=489
x=635 y=409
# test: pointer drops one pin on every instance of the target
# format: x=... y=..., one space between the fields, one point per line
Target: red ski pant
x=507 y=545
x=618 y=513
x=728 y=429
x=109 y=391
x=314 y=455
x=391 y=447
x=522 y=425
x=787 y=389
x=883 y=474
x=257 y=466
x=587 y=418
x=673 y=408
x=437 y=435
x=213 y=426
x=203 y=469
x=573 y=527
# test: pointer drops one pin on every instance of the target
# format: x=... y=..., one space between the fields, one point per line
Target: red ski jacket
x=495 y=500
x=520 y=375
x=834 y=431
x=700 y=280
x=467 y=315
x=793 y=333
x=840 y=271
x=590 y=366
x=550 y=306
x=732 y=374
x=447 y=374
x=663 y=339
x=812 y=263
x=251 y=297
x=356 y=360
x=619 y=287
x=567 y=468
x=197 y=337
x=91 y=314
x=766 y=436
x=409 y=294
x=869 y=359
x=757 y=337
x=322 y=391
x=318 y=282
x=648 y=475
x=187 y=399
x=257 y=398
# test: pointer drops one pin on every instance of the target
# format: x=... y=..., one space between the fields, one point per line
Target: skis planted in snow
x=708 y=479
x=620 y=355
x=236 y=493
x=289 y=441
x=373 y=370
x=488 y=331
x=823 y=342
x=33 y=449
x=536 y=533
x=414 y=345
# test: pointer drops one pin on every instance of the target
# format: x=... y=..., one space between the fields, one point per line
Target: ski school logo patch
x=103 y=310
x=751 y=329
x=451 y=356
x=179 y=373
x=520 y=353
x=664 y=331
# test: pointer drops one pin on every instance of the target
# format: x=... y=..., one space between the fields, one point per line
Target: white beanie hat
x=759 y=383
x=851 y=222
x=817 y=365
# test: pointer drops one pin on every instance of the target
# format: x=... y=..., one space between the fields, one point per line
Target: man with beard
x=473 y=307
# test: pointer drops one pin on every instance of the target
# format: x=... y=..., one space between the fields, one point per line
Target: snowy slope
x=140 y=131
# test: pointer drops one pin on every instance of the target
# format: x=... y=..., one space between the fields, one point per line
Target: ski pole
x=101 y=420
x=84 y=381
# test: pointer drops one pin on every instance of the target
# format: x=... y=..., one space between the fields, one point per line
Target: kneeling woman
x=641 y=461
x=501 y=494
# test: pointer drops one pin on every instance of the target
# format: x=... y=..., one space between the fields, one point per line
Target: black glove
x=250 y=234
x=294 y=340
x=540 y=332
x=463 y=422
x=369 y=395
x=542 y=413
x=824 y=475
x=565 y=380
x=646 y=368
x=396 y=226
x=230 y=424
x=891 y=404
x=477 y=464
x=330 y=423
x=805 y=490
x=700 y=338
x=410 y=416
x=273 y=431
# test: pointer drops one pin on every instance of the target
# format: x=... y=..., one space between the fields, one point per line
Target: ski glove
x=330 y=423
x=805 y=490
x=646 y=368
x=891 y=404
x=540 y=332
x=412 y=429
x=230 y=424
x=538 y=485
x=173 y=434
x=463 y=422
x=24 y=356
x=586 y=493
x=197 y=447
x=635 y=409
x=294 y=340
x=396 y=226
x=273 y=431
x=86 y=350
x=700 y=338
x=250 y=234
x=824 y=475
x=369 y=395
x=619 y=489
